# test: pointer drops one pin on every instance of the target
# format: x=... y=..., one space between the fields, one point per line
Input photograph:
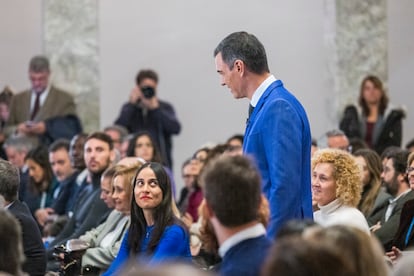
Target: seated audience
x=142 y=145
x=5 y=98
x=117 y=134
x=89 y=210
x=242 y=239
x=372 y=193
x=235 y=145
x=66 y=176
x=43 y=187
x=35 y=261
x=336 y=187
x=105 y=240
x=11 y=253
x=189 y=175
x=155 y=234
x=363 y=252
x=336 y=139
x=384 y=223
x=404 y=238
x=16 y=148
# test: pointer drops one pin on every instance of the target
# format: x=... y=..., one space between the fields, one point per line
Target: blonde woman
x=336 y=189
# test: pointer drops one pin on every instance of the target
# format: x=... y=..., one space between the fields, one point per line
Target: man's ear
x=112 y=156
x=209 y=210
x=239 y=66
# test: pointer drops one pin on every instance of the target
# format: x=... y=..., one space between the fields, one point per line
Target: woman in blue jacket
x=155 y=235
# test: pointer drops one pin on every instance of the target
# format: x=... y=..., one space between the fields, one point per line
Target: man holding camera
x=145 y=112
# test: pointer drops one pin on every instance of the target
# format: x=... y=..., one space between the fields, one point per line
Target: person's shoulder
x=21 y=94
x=395 y=112
x=175 y=230
x=60 y=92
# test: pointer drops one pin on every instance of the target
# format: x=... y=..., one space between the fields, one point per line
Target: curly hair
x=346 y=173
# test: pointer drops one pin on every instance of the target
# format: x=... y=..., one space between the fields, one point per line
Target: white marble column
x=356 y=45
x=71 y=43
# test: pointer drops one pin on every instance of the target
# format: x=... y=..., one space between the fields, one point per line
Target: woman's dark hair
x=156 y=156
x=384 y=98
x=162 y=214
x=40 y=156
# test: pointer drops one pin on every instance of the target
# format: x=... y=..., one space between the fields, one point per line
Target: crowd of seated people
x=113 y=192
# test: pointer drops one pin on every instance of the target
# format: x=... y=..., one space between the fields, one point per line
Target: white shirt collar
x=261 y=89
x=248 y=233
x=43 y=97
x=394 y=200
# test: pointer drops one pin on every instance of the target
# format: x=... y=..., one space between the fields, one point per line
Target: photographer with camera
x=146 y=112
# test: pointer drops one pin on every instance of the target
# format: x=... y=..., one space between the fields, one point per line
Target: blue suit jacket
x=245 y=258
x=279 y=140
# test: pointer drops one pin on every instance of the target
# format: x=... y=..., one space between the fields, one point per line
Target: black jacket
x=387 y=130
x=33 y=247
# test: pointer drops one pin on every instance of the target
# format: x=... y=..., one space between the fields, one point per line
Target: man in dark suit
x=277 y=132
x=386 y=218
x=89 y=210
x=44 y=111
x=233 y=198
x=33 y=248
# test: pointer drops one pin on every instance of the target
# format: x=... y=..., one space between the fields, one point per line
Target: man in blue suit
x=277 y=132
x=233 y=200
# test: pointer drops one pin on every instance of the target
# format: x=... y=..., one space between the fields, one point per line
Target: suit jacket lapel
x=46 y=106
x=260 y=104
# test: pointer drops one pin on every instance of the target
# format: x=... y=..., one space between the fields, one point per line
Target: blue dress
x=174 y=245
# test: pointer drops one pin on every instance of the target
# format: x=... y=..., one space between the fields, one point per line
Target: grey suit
x=389 y=228
x=96 y=255
x=57 y=104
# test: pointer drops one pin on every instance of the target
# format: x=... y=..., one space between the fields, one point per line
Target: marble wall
x=71 y=43
x=356 y=39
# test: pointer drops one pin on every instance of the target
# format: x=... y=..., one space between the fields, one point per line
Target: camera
x=148 y=92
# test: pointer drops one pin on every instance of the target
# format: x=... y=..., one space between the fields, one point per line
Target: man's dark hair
x=101 y=136
x=245 y=47
x=122 y=131
x=399 y=161
x=232 y=189
x=39 y=64
x=239 y=137
x=9 y=181
x=146 y=74
x=59 y=144
x=410 y=144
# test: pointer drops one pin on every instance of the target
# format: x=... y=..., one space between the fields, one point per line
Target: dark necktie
x=251 y=108
x=36 y=106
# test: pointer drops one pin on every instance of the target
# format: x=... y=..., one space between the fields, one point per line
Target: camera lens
x=148 y=92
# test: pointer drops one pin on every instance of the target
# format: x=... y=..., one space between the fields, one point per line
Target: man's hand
x=151 y=103
x=135 y=95
x=42 y=215
x=394 y=254
x=23 y=128
x=375 y=227
x=38 y=128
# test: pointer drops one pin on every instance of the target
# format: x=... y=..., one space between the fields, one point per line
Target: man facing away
x=277 y=132
x=34 y=251
x=233 y=197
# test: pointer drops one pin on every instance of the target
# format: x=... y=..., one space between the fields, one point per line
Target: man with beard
x=386 y=218
x=89 y=210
